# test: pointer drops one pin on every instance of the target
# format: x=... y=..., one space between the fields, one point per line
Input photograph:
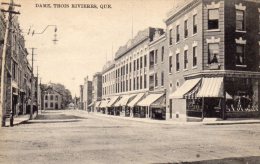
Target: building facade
x=52 y=100
x=214 y=51
x=81 y=97
x=96 y=90
x=87 y=93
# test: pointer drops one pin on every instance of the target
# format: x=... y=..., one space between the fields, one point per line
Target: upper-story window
x=185 y=28
x=240 y=54
x=195 y=24
x=141 y=62
x=126 y=68
x=240 y=20
x=156 y=79
x=51 y=97
x=46 y=97
x=162 y=78
x=156 y=56
x=145 y=61
x=213 y=19
x=134 y=65
x=185 y=59
x=213 y=53
x=137 y=64
x=170 y=37
x=177 y=33
x=177 y=62
x=194 y=56
x=170 y=64
x=162 y=55
x=56 y=97
x=130 y=67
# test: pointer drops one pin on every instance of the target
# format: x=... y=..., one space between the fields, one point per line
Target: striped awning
x=187 y=86
x=97 y=104
x=159 y=103
x=112 y=101
x=151 y=98
x=135 y=100
x=124 y=100
x=211 y=87
x=103 y=103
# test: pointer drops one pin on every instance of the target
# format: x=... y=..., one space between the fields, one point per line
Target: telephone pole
x=32 y=86
x=10 y=12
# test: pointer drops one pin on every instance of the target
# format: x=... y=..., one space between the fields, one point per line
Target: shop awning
x=91 y=104
x=103 y=103
x=97 y=104
x=124 y=100
x=151 y=98
x=112 y=101
x=159 y=103
x=211 y=87
x=187 y=86
x=135 y=100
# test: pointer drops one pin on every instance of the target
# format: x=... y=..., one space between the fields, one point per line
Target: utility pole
x=37 y=91
x=32 y=86
x=10 y=12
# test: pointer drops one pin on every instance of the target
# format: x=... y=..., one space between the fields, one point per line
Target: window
x=259 y=24
x=46 y=97
x=137 y=64
x=126 y=85
x=145 y=61
x=195 y=24
x=141 y=82
x=134 y=84
x=177 y=33
x=185 y=59
x=156 y=56
x=141 y=62
x=126 y=68
x=145 y=85
x=51 y=97
x=51 y=105
x=134 y=65
x=156 y=79
x=240 y=54
x=240 y=20
x=213 y=19
x=130 y=84
x=177 y=62
x=56 y=97
x=46 y=105
x=194 y=56
x=185 y=28
x=162 y=78
x=137 y=83
x=130 y=67
x=162 y=56
x=170 y=40
x=170 y=64
x=213 y=53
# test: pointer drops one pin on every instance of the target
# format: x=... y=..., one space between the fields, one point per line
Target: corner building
x=214 y=53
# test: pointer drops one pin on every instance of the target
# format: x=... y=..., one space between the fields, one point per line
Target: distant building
x=87 y=93
x=96 y=89
x=81 y=88
x=52 y=99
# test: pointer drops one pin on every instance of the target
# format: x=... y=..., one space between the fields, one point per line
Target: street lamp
x=55 y=32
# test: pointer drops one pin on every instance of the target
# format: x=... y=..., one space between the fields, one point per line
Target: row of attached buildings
x=18 y=77
x=206 y=63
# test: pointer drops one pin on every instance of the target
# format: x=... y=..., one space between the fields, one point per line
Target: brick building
x=214 y=59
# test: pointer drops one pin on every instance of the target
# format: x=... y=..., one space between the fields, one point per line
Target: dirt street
x=70 y=136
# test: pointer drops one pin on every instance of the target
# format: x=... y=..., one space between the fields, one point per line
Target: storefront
x=111 y=110
x=153 y=106
x=103 y=106
x=135 y=110
x=121 y=105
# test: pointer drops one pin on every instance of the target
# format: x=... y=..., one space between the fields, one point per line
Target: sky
x=87 y=37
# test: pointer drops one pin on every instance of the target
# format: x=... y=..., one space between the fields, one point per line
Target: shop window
x=185 y=59
x=213 y=53
x=170 y=64
x=162 y=55
x=195 y=24
x=240 y=54
x=177 y=33
x=170 y=38
x=213 y=19
x=177 y=62
x=185 y=28
x=240 y=20
x=194 y=56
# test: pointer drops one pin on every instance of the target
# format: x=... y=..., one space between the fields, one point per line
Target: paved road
x=78 y=137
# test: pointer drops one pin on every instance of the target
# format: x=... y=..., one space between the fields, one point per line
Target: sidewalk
x=18 y=120
x=174 y=122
